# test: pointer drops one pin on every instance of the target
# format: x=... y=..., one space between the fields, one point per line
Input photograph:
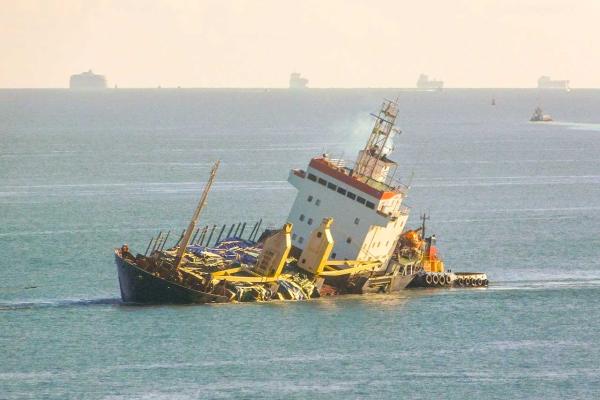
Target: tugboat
x=539 y=116
x=344 y=234
x=431 y=271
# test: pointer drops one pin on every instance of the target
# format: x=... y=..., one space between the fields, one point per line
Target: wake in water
x=57 y=304
x=378 y=300
x=546 y=284
x=578 y=126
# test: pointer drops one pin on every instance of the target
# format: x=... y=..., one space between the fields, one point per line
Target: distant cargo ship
x=425 y=83
x=87 y=80
x=297 y=81
x=544 y=82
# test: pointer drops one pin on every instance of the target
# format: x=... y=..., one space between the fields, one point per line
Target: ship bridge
x=363 y=198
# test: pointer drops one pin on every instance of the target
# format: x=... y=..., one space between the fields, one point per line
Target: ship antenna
x=194 y=220
x=424 y=217
x=410 y=179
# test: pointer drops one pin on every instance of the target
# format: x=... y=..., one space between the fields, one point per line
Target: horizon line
x=300 y=89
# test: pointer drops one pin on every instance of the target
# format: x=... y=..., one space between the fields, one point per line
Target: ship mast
x=378 y=145
x=190 y=229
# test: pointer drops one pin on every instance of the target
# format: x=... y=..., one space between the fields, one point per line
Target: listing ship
x=344 y=235
x=544 y=82
x=297 y=81
x=425 y=83
x=87 y=80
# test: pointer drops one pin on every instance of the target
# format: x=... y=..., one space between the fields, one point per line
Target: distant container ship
x=425 y=83
x=544 y=82
x=297 y=81
x=87 y=80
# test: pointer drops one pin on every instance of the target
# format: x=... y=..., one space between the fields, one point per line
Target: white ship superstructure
x=364 y=200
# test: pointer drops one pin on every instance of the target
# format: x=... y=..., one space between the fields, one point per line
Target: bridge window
x=361 y=200
x=370 y=205
x=351 y=195
x=322 y=181
x=341 y=191
x=331 y=186
x=312 y=177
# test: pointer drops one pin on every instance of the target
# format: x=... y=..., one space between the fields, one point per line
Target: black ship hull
x=141 y=287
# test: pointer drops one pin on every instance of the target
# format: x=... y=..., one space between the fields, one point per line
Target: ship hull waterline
x=138 y=286
x=141 y=287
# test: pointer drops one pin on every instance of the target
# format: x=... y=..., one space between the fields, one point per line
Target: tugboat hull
x=141 y=287
x=375 y=284
x=387 y=284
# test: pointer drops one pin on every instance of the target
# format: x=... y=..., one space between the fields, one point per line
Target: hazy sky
x=202 y=43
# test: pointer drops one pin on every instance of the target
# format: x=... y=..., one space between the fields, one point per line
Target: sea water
x=84 y=172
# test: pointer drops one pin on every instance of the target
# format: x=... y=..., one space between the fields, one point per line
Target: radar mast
x=372 y=161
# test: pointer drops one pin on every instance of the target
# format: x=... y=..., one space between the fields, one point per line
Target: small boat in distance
x=539 y=116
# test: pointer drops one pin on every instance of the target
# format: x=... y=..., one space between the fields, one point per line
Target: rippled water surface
x=81 y=173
